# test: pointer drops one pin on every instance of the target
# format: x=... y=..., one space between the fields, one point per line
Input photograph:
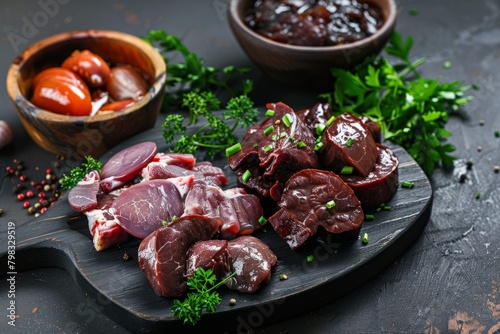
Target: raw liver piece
x=272 y=158
x=209 y=254
x=162 y=254
x=380 y=185
x=252 y=260
x=361 y=154
x=320 y=113
x=142 y=208
x=303 y=208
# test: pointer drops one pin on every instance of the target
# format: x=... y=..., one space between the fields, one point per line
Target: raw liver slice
x=83 y=196
x=209 y=254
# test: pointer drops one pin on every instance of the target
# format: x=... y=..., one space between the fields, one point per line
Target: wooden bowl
x=75 y=137
x=307 y=66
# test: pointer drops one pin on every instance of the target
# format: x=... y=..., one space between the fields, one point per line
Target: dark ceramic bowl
x=75 y=136
x=307 y=66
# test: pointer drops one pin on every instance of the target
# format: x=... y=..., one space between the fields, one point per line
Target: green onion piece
x=246 y=176
x=330 y=121
x=233 y=149
x=320 y=129
x=346 y=170
x=262 y=220
x=497 y=133
x=292 y=139
x=164 y=223
x=318 y=146
x=301 y=144
x=364 y=240
x=407 y=184
x=287 y=120
x=330 y=204
x=267 y=148
x=269 y=113
x=385 y=207
x=369 y=217
x=268 y=130
x=447 y=64
x=274 y=137
x=283 y=134
x=349 y=142
x=310 y=258
x=478 y=195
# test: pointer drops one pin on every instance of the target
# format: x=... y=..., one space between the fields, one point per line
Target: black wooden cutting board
x=60 y=238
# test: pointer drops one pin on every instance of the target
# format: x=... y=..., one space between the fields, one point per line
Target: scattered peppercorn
x=479 y=148
x=469 y=165
x=462 y=178
x=232 y=301
x=126 y=256
x=496 y=169
x=283 y=277
x=481 y=122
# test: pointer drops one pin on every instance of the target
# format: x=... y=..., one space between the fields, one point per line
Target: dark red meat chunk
x=320 y=113
x=272 y=158
x=347 y=142
x=83 y=196
x=380 y=185
x=209 y=254
x=162 y=255
x=304 y=207
x=252 y=261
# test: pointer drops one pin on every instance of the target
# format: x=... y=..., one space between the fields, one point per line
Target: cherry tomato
x=126 y=83
x=91 y=67
x=117 y=105
x=59 y=73
x=62 y=97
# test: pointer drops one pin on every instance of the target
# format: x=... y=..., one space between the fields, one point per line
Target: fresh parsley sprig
x=191 y=74
x=78 y=173
x=217 y=132
x=411 y=110
x=203 y=296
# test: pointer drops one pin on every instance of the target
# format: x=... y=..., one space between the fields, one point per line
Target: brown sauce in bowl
x=314 y=22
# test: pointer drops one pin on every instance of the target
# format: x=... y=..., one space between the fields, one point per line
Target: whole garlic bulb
x=6 y=134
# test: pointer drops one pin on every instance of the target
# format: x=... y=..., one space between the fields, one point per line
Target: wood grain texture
x=60 y=238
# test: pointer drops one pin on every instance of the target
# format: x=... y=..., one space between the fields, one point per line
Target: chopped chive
x=364 y=240
x=283 y=134
x=262 y=220
x=233 y=149
x=385 y=207
x=407 y=184
x=318 y=146
x=301 y=144
x=268 y=130
x=267 y=148
x=447 y=64
x=349 y=142
x=497 y=133
x=330 y=204
x=287 y=120
x=310 y=258
x=346 y=170
x=246 y=176
x=274 y=137
x=413 y=12
x=369 y=217
x=269 y=113
x=478 y=195
x=476 y=87
x=292 y=139
x=164 y=223
x=330 y=121
x=320 y=129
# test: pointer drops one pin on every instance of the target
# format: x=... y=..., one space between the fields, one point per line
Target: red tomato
x=62 y=97
x=59 y=73
x=91 y=67
x=126 y=83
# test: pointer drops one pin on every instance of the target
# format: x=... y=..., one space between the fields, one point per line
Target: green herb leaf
x=78 y=173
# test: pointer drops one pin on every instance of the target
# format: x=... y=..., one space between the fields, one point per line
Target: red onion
x=6 y=134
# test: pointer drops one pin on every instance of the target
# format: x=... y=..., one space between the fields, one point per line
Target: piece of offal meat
x=83 y=196
x=380 y=185
x=126 y=165
x=142 y=208
x=162 y=255
x=347 y=142
x=314 y=198
x=273 y=151
x=240 y=212
x=103 y=224
x=209 y=254
x=252 y=260
x=318 y=114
